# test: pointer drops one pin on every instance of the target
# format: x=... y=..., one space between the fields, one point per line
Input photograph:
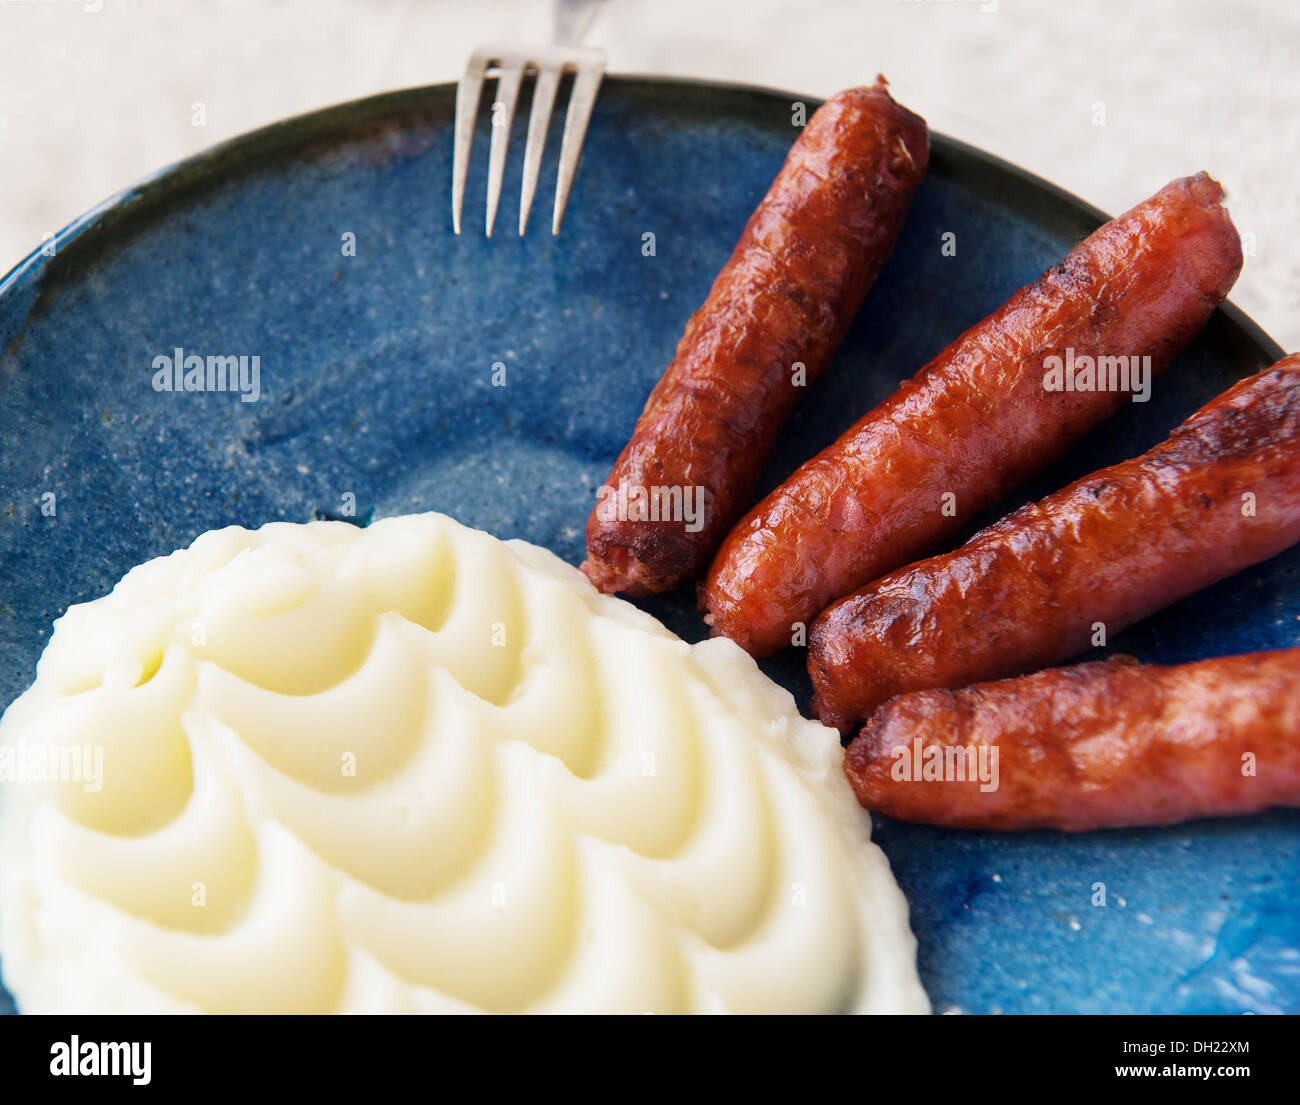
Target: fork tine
x=548 y=81
x=581 y=100
x=512 y=72
x=467 y=96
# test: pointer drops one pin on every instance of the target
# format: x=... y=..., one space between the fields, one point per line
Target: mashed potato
x=415 y=768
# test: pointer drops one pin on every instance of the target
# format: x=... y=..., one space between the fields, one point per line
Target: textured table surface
x=1108 y=99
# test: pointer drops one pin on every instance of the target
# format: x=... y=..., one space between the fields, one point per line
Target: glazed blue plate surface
x=376 y=377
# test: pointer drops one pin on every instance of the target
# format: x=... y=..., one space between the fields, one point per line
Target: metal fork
x=509 y=66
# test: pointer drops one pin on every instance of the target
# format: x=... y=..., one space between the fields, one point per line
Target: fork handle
x=572 y=20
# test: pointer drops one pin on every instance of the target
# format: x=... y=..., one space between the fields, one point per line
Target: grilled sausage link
x=1095 y=746
x=1222 y=492
x=977 y=419
x=805 y=261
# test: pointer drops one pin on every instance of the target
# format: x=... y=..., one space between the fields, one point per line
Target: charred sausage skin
x=802 y=267
x=1100 y=745
x=1222 y=492
x=976 y=420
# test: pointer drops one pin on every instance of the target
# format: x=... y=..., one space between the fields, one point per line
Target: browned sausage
x=1222 y=492
x=1095 y=746
x=774 y=318
x=976 y=420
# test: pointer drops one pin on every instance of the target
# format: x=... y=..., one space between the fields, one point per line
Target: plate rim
x=173 y=177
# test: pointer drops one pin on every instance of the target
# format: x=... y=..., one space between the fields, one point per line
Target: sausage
x=1095 y=746
x=801 y=269
x=1222 y=492
x=976 y=420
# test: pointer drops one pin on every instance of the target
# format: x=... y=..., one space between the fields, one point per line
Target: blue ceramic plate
x=376 y=381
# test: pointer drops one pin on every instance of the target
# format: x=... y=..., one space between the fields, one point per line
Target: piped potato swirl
x=415 y=768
